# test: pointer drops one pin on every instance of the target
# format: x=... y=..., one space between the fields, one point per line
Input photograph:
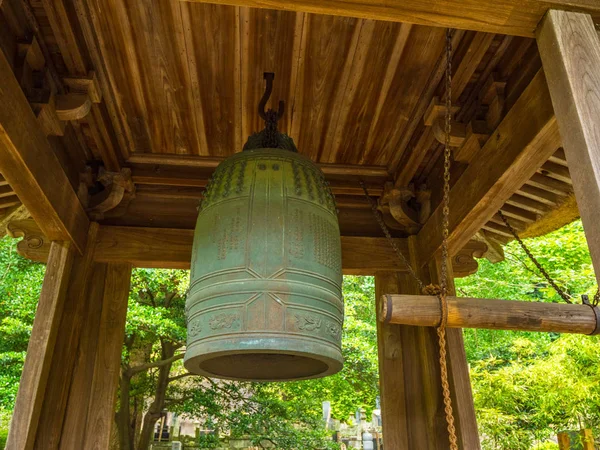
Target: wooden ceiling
x=181 y=83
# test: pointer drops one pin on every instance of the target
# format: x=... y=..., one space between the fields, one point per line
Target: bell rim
x=326 y=353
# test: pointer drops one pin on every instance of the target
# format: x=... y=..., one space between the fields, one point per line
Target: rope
x=440 y=291
x=441 y=329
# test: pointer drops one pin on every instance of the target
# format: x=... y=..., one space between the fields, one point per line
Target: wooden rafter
x=32 y=169
x=523 y=141
x=513 y=17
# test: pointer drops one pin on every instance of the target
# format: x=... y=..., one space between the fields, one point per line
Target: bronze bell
x=265 y=298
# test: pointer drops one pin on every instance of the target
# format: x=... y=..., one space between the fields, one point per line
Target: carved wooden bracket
x=495 y=251
x=458 y=132
x=437 y=110
x=493 y=98
x=51 y=108
x=405 y=208
x=464 y=262
x=35 y=245
x=118 y=190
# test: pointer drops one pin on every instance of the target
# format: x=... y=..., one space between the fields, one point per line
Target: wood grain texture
x=570 y=51
x=32 y=169
x=65 y=351
x=493 y=314
x=201 y=162
x=40 y=350
x=458 y=368
x=512 y=17
x=412 y=405
x=394 y=414
x=34 y=245
x=76 y=410
x=107 y=364
x=526 y=138
x=172 y=249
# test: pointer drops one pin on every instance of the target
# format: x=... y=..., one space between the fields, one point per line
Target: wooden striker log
x=424 y=311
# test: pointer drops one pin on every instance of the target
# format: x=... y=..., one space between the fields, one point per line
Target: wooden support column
x=68 y=387
x=411 y=396
x=570 y=50
x=40 y=350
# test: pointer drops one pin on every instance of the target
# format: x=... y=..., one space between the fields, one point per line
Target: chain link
x=566 y=297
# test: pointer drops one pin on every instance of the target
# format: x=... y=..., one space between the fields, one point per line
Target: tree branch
x=152 y=365
x=179 y=377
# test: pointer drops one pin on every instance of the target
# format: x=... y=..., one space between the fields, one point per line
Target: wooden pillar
x=570 y=50
x=67 y=392
x=564 y=441
x=40 y=350
x=412 y=406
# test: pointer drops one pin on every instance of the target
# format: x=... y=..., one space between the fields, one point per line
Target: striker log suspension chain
x=566 y=297
x=440 y=291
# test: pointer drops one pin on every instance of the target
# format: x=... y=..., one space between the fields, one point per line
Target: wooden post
x=564 y=441
x=587 y=439
x=41 y=348
x=570 y=50
x=412 y=407
x=67 y=392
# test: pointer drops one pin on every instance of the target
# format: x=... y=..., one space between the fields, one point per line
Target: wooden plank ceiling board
x=515 y=17
x=190 y=77
x=181 y=82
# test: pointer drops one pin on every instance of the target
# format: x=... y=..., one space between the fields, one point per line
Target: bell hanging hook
x=269 y=77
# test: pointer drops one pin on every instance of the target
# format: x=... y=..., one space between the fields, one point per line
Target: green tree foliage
x=20 y=285
x=357 y=384
x=529 y=386
x=153 y=380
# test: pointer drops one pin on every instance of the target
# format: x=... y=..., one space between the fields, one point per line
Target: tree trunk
x=122 y=415
x=155 y=410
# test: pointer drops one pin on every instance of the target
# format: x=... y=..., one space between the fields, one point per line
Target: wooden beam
x=205 y=162
x=523 y=141
x=30 y=166
x=46 y=326
x=513 y=17
x=570 y=51
x=172 y=249
x=493 y=314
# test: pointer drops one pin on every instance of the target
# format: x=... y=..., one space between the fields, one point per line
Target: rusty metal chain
x=566 y=297
x=441 y=330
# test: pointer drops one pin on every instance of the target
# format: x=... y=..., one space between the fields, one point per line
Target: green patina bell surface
x=265 y=298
